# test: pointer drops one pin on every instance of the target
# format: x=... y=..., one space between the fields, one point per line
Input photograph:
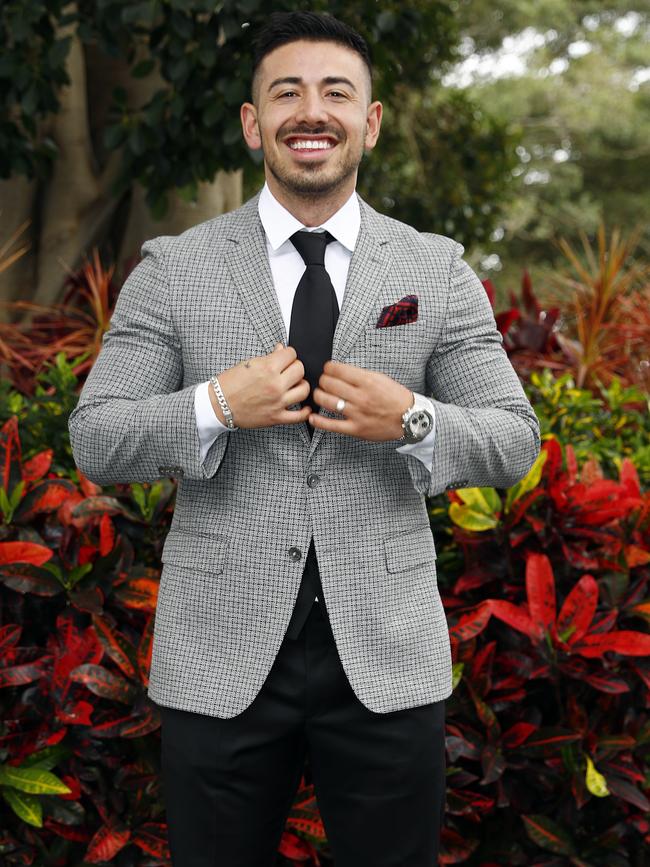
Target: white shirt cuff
x=207 y=423
x=423 y=450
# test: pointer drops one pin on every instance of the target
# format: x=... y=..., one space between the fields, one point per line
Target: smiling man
x=310 y=371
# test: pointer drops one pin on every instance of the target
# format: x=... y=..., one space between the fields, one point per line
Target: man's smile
x=309 y=146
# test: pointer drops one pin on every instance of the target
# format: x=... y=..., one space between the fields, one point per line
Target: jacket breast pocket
x=415 y=333
x=409 y=549
x=207 y=553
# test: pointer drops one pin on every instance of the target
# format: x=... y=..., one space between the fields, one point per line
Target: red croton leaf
x=36 y=468
x=151 y=837
x=138 y=593
x=516 y=617
x=471 y=624
x=88 y=488
x=44 y=497
x=106 y=843
x=623 y=641
x=636 y=556
x=578 y=610
x=630 y=478
x=548 y=834
x=517 y=734
x=456 y=848
x=116 y=645
x=294 y=848
x=10 y=455
x=540 y=589
x=77 y=713
x=104 y=683
x=9 y=635
x=145 y=650
x=18 y=675
x=106 y=535
x=313 y=827
x=24 y=552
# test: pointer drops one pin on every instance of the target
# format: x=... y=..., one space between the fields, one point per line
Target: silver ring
x=340 y=405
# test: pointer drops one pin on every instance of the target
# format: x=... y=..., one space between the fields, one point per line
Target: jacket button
x=313 y=480
x=295 y=553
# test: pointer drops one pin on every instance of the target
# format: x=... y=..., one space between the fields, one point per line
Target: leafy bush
x=609 y=426
x=548 y=728
x=545 y=588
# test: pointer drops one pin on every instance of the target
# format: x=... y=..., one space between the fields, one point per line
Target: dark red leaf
x=540 y=589
x=24 y=552
x=103 y=682
x=517 y=734
x=10 y=455
x=106 y=843
x=578 y=610
x=44 y=497
x=623 y=641
x=516 y=617
x=471 y=624
x=37 y=467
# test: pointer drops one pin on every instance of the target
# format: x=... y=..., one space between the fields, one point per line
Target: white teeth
x=310 y=145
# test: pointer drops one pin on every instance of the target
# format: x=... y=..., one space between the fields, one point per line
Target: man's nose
x=311 y=109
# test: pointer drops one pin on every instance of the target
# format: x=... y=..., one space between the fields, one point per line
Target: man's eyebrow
x=294 y=79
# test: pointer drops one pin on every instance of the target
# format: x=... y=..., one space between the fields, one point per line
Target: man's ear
x=250 y=128
x=373 y=124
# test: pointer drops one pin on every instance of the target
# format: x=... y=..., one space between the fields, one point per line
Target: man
x=310 y=370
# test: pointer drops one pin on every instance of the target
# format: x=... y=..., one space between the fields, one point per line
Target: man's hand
x=374 y=403
x=260 y=389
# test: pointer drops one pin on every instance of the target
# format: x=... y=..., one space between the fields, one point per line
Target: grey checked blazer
x=203 y=301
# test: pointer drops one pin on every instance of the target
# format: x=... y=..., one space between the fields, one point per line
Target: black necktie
x=315 y=310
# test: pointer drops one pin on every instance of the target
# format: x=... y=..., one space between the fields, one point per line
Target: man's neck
x=311 y=210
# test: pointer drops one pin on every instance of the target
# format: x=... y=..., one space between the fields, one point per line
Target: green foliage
x=43 y=417
x=582 y=107
x=611 y=427
x=441 y=164
x=190 y=127
x=32 y=69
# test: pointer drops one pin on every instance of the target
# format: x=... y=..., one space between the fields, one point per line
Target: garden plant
x=545 y=587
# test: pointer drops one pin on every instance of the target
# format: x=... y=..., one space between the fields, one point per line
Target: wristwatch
x=417 y=421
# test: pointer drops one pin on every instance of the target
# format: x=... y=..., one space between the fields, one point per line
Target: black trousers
x=379 y=779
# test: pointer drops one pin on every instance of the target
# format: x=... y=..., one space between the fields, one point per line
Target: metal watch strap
x=223 y=403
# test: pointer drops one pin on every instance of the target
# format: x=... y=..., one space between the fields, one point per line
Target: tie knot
x=311 y=245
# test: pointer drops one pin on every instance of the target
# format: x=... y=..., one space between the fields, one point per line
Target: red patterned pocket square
x=403 y=311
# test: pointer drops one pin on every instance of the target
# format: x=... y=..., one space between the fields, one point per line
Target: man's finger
x=348 y=372
x=337 y=425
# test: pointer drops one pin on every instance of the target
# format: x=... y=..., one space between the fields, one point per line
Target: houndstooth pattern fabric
x=202 y=302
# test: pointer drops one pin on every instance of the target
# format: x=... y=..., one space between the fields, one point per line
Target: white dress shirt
x=287 y=267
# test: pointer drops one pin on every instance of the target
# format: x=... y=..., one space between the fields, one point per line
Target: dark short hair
x=284 y=27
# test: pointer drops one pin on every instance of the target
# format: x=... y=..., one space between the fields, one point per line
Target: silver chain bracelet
x=223 y=403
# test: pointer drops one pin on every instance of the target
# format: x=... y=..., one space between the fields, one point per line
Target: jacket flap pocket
x=195 y=551
x=410 y=548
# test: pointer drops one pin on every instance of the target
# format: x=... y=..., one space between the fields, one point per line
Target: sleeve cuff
x=208 y=425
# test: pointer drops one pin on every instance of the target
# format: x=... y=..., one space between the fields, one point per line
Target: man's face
x=312 y=117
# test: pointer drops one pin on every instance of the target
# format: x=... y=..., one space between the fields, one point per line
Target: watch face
x=420 y=424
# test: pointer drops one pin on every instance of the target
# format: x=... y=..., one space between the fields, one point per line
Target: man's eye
x=336 y=93
x=288 y=93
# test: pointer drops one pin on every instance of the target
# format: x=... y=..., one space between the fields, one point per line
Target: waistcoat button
x=295 y=553
x=313 y=480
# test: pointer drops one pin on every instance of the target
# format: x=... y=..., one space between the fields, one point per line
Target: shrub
x=547 y=727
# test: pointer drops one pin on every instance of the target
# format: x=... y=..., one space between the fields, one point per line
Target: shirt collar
x=280 y=225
